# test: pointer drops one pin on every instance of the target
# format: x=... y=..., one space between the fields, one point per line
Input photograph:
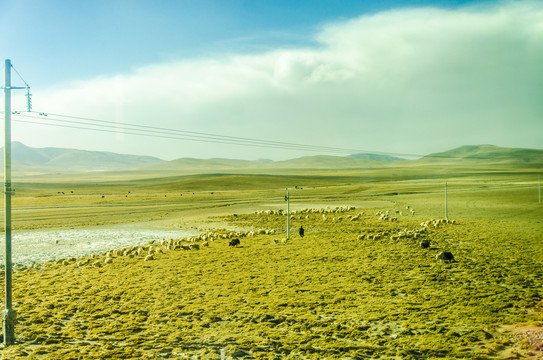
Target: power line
x=92 y=124
x=222 y=137
x=162 y=134
x=52 y=119
x=20 y=76
x=175 y=137
x=200 y=134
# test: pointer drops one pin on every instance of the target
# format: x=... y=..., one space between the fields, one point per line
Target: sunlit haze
x=392 y=78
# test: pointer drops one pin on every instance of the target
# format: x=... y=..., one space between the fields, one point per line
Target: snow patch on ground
x=41 y=245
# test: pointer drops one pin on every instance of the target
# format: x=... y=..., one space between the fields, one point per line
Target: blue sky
x=55 y=41
x=388 y=76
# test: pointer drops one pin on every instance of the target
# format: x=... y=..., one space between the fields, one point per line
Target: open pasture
x=350 y=289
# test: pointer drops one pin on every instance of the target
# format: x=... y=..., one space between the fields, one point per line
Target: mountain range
x=43 y=160
x=26 y=157
x=489 y=153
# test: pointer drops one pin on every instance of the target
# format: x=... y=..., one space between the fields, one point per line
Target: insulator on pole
x=28 y=99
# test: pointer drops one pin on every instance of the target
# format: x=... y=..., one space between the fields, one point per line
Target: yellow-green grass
x=326 y=296
x=65 y=202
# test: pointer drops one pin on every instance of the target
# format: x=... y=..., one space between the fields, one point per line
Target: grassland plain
x=348 y=290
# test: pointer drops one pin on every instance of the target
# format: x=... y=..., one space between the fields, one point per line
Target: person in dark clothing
x=302 y=231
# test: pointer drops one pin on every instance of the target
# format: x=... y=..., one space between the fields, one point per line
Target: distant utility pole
x=446 y=201
x=9 y=316
x=287 y=199
x=539 y=181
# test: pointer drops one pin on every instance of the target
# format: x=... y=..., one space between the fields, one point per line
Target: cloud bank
x=403 y=81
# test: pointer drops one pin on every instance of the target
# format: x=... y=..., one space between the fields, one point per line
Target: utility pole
x=539 y=178
x=287 y=198
x=9 y=316
x=446 y=201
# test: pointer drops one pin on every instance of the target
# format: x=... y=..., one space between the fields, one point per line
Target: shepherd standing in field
x=301 y=231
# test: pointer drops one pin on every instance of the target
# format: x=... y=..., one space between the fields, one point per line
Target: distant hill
x=489 y=153
x=74 y=160
x=322 y=162
x=57 y=161
x=376 y=157
x=207 y=165
x=190 y=165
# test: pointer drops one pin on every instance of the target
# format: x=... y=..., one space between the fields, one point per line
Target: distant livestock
x=425 y=244
x=301 y=231
x=327 y=210
x=445 y=256
x=234 y=242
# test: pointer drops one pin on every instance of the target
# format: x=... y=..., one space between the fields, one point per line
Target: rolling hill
x=488 y=154
x=56 y=161
x=376 y=157
x=26 y=158
x=317 y=162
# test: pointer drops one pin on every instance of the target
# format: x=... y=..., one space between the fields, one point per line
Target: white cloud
x=413 y=81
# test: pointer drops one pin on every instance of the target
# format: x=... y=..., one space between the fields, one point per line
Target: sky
x=336 y=76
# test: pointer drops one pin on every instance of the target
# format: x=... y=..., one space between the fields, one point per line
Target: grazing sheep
x=108 y=260
x=301 y=232
x=234 y=242
x=425 y=243
x=83 y=262
x=149 y=257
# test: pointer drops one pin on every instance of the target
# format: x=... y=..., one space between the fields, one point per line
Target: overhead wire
x=165 y=136
x=200 y=134
x=91 y=124
x=85 y=123
x=14 y=69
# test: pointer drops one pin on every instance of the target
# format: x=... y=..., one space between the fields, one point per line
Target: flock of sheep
x=148 y=252
x=304 y=213
x=327 y=210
